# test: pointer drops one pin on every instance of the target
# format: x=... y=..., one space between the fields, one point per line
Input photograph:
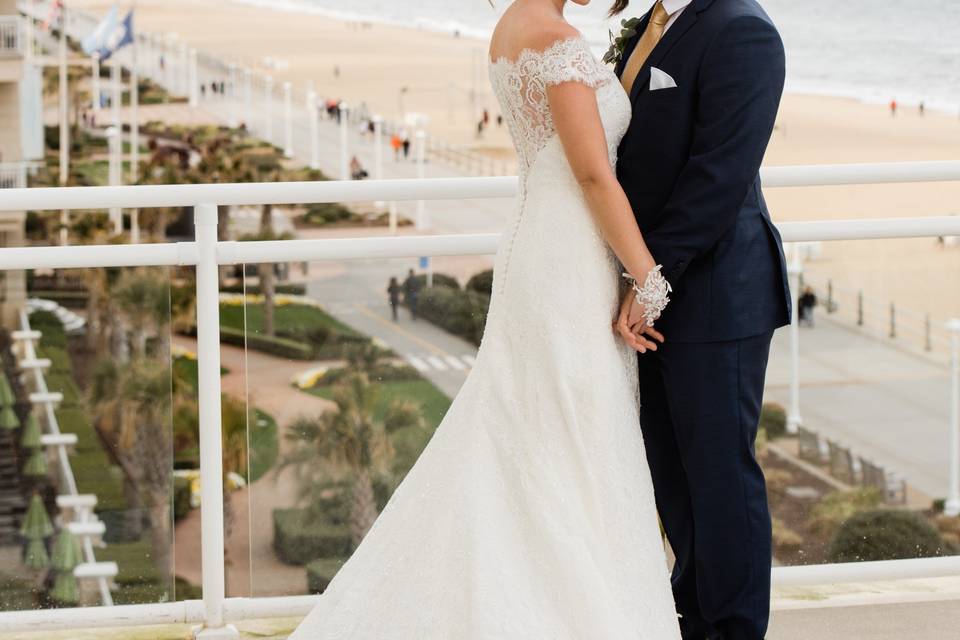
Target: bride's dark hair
x=618 y=7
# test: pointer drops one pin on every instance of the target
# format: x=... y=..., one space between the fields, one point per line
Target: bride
x=531 y=513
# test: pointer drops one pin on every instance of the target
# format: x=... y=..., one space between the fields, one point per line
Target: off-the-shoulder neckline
x=529 y=52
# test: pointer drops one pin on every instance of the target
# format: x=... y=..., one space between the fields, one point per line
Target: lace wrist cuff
x=652 y=296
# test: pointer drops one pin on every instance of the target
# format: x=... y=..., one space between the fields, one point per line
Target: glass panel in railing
x=865 y=474
x=87 y=437
x=344 y=357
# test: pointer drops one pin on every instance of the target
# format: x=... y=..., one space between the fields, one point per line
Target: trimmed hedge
x=439 y=280
x=298 y=539
x=290 y=289
x=773 y=420
x=280 y=347
x=462 y=313
x=320 y=573
x=886 y=535
x=482 y=282
x=381 y=372
x=181 y=499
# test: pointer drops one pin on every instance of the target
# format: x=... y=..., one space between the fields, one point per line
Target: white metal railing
x=207 y=255
x=10 y=37
x=13 y=175
x=28 y=336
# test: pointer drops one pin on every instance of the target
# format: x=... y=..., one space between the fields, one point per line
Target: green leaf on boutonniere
x=618 y=44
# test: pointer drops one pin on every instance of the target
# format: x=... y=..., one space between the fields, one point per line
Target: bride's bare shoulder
x=527 y=30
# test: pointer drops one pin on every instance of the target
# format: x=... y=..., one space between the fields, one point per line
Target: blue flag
x=117 y=37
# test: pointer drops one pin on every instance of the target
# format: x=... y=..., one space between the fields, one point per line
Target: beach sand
x=376 y=62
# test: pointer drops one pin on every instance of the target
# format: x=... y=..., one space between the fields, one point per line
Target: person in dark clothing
x=393 y=293
x=411 y=293
x=808 y=300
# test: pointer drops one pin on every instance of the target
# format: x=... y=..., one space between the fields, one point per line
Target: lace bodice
x=521 y=87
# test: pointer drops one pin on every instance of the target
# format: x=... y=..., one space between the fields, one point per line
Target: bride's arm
x=576 y=118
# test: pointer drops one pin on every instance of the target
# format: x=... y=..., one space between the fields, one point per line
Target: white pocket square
x=661 y=80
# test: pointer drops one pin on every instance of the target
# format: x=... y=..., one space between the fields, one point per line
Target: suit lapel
x=673 y=35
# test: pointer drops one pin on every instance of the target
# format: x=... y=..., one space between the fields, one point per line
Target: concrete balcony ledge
x=927 y=609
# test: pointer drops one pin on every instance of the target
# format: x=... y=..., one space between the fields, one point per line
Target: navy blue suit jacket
x=689 y=164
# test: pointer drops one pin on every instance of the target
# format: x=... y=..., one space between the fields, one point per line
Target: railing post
x=952 y=506
x=860 y=308
x=378 y=161
x=344 y=110
x=287 y=120
x=211 y=445
x=794 y=421
x=313 y=115
x=193 y=79
x=927 y=333
x=268 y=109
x=421 y=219
x=830 y=304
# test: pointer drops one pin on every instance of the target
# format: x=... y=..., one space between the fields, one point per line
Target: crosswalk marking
x=437 y=363
x=418 y=364
x=455 y=363
x=428 y=362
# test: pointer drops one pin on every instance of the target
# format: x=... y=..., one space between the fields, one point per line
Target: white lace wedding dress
x=530 y=514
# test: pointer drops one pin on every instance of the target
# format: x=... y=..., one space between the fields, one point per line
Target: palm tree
x=348 y=445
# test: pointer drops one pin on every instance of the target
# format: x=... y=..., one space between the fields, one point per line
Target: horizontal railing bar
x=870 y=229
x=231 y=252
x=185 y=195
x=236 y=609
x=254 y=193
x=95 y=256
x=356 y=248
x=847 y=572
x=824 y=175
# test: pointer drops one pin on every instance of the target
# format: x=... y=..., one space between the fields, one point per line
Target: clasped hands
x=633 y=327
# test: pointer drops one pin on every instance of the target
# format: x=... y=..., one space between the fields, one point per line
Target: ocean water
x=873 y=50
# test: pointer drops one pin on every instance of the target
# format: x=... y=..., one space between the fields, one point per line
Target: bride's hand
x=632 y=327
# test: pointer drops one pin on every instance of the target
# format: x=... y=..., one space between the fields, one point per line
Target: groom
x=705 y=79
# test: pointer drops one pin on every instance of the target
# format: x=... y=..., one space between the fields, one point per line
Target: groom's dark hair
x=618 y=7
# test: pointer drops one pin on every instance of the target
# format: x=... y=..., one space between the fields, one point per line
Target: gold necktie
x=651 y=36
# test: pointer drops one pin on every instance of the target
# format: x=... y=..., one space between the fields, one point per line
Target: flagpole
x=116 y=148
x=64 y=124
x=134 y=125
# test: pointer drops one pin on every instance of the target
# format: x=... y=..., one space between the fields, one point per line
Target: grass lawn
x=289 y=319
x=264 y=444
x=432 y=402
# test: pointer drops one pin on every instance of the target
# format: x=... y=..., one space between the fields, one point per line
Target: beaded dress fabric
x=530 y=514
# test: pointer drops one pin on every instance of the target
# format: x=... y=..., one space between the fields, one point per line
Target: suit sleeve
x=740 y=85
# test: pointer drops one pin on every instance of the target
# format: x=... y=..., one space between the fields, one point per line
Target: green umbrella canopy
x=36 y=524
x=66 y=552
x=37 y=557
x=36 y=466
x=65 y=588
x=8 y=418
x=30 y=438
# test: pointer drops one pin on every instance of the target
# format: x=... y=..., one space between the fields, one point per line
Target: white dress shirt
x=674 y=8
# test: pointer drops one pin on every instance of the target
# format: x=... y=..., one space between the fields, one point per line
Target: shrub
x=885 y=535
x=278 y=346
x=320 y=573
x=839 y=506
x=380 y=372
x=482 y=282
x=181 y=499
x=462 y=313
x=326 y=213
x=298 y=539
x=291 y=288
x=773 y=420
x=439 y=280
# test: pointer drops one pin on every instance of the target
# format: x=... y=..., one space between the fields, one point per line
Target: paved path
x=253 y=567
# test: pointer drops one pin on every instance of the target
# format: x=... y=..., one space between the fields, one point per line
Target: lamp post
x=795 y=271
x=287 y=120
x=952 y=506
x=344 y=141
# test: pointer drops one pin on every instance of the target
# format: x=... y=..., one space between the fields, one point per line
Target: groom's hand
x=632 y=327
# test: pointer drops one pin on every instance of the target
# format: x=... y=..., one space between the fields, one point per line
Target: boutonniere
x=618 y=44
